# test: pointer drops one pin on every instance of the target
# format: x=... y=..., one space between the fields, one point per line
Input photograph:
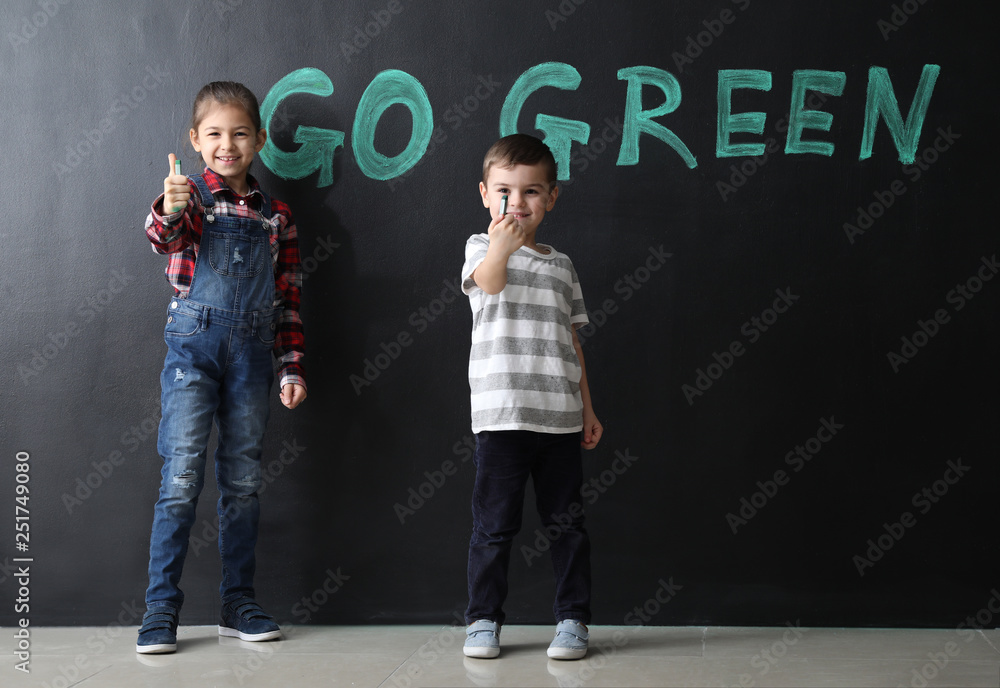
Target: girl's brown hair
x=225 y=93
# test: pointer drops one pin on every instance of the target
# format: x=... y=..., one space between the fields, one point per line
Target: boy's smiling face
x=529 y=194
x=227 y=140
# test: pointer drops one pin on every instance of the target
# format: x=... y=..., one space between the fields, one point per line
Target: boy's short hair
x=520 y=149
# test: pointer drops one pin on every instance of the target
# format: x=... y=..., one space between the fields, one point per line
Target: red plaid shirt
x=178 y=235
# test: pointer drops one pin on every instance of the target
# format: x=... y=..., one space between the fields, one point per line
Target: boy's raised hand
x=506 y=234
x=176 y=191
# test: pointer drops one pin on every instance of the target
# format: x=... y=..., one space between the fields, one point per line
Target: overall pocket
x=234 y=255
x=267 y=332
x=181 y=324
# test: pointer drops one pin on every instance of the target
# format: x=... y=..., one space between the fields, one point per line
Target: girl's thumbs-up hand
x=176 y=191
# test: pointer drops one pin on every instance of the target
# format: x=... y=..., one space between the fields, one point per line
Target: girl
x=234 y=266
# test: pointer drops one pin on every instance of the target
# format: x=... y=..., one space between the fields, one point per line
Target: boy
x=530 y=399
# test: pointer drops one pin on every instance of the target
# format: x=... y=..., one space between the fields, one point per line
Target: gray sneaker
x=570 y=641
x=482 y=639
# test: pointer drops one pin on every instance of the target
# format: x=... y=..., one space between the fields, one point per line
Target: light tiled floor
x=411 y=656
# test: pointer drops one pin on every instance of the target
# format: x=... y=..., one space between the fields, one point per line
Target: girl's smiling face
x=227 y=140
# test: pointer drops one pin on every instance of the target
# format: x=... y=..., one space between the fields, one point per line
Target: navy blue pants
x=504 y=461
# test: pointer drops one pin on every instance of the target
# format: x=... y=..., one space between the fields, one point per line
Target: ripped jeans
x=218 y=367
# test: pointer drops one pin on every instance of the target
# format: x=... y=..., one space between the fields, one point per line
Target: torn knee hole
x=186 y=479
x=250 y=482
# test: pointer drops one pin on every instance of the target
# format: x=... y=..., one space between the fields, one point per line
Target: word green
x=392 y=87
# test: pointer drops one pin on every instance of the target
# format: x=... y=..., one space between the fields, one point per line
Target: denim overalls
x=218 y=366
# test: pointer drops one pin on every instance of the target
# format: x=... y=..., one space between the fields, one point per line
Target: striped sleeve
x=475 y=252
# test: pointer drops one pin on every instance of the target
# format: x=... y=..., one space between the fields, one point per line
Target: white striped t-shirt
x=523 y=370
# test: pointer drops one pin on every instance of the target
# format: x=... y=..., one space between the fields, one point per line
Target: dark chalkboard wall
x=794 y=355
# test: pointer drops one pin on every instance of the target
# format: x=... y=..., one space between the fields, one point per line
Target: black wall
x=687 y=503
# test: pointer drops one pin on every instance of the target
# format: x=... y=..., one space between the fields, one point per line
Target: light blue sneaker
x=570 y=641
x=482 y=639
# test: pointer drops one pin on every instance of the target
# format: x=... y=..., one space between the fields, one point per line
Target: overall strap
x=203 y=192
x=265 y=206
